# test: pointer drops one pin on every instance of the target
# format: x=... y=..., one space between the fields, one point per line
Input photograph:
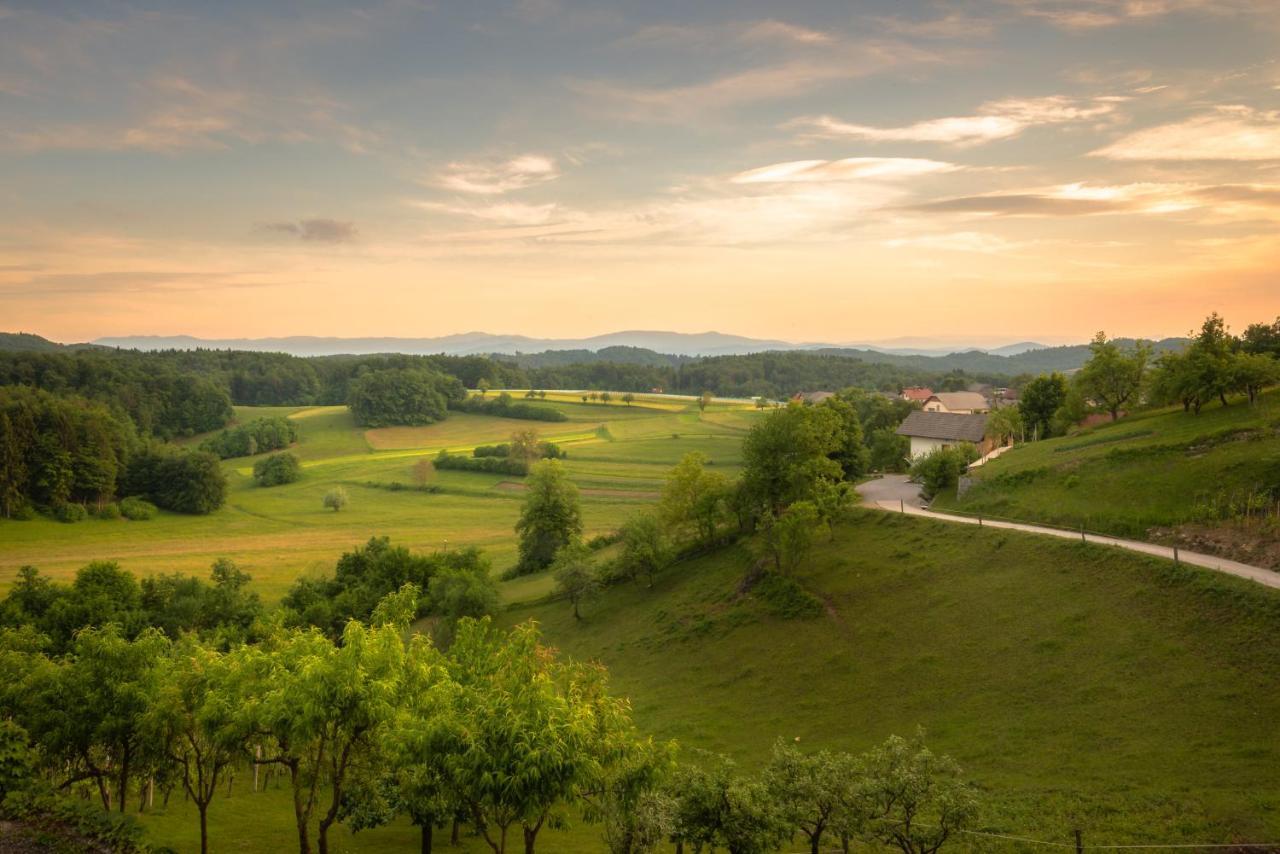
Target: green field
x=618 y=454
x=1156 y=469
x=1080 y=686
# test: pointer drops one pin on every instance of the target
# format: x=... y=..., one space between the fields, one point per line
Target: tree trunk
x=530 y=836
x=576 y=615
x=204 y=828
x=814 y=841
x=124 y=778
x=426 y=837
x=453 y=831
x=299 y=813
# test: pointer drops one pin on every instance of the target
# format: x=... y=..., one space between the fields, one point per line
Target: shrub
x=335 y=498
x=23 y=513
x=490 y=465
x=940 y=469
x=257 y=436
x=784 y=596
x=602 y=541
x=108 y=511
x=70 y=512
x=547 y=450
x=504 y=406
x=402 y=396
x=137 y=509
x=190 y=482
x=277 y=469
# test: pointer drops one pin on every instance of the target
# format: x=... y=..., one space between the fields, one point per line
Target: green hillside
x=1079 y=686
x=1209 y=481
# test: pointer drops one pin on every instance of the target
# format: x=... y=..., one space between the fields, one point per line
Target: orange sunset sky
x=813 y=171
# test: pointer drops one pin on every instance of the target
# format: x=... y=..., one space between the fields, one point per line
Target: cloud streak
x=497 y=178
x=318 y=230
x=1228 y=133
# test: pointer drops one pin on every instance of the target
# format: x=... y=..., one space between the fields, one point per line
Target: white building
x=929 y=431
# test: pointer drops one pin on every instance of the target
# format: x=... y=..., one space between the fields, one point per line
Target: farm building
x=929 y=431
x=917 y=394
x=965 y=402
x=812 y=398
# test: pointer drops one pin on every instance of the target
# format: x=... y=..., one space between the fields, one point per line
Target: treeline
x=254 y=437
x=160 y=396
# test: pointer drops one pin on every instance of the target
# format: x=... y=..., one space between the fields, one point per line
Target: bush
x=255 y=437
x=70 y=512
x=335 y=498
x=504 y=406
x=108 y=511
x=784 y=596
x=402 y=396
x=940 y=469
x=602 y=541
x=23 y=513
x=137 y=509
x=190 y=482
x=277 y=469
x=547 y=450
x=490 y=465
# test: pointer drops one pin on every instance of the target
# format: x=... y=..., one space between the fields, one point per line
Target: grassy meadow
x=619 y=455
x=1160 y=468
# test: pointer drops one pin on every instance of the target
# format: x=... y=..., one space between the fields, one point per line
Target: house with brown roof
x=963 y=402
x=930 y=431
x=916 y=393
x=813 y=398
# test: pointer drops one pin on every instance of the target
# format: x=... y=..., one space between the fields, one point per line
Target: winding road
x=896 y=494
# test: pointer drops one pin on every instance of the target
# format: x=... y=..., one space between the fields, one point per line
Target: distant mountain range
x=473 y=343
x=634 y=347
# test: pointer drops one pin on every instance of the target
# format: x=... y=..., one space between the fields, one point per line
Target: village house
x=961 y=402
x=930 y=431
x=917 y=394
x=812 y=398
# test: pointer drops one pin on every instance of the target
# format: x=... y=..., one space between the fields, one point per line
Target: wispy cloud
x=319 y=230
x=497 y=177
x=994 y=120
x=1229 y=133
x=848 y=169
x=1094 y=14
x=502 y=213
x=730 y=33
x=1215 y=201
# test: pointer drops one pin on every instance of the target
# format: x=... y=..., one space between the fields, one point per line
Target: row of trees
x=244 y=440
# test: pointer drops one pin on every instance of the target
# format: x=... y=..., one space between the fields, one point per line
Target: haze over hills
x=471 y=343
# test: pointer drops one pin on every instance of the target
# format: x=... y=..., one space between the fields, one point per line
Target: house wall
x=921 y=446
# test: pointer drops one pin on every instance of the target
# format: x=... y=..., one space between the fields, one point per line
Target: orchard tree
x=913 y=800
x=575 y=577
x=525 y=446
x=1004 y=425
x=1113 y=375
x=551 y=517
x=336 y=499
x=645 y=547
x=718 y=808
x=1252 y=372
x=787 y=453
x=788 y=538
x=194 y=717
x=811 y=790
x=693 y=499
x=704 y=400
x=628 y=397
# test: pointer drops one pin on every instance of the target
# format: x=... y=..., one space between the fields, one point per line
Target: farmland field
x=619 y=455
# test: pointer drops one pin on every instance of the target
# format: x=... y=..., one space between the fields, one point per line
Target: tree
x=576 y=578
x=809 y=789
x=605 y=397
x=325 y=708
x=551 y=517
x=1112 y=376
x=888 y=450
x=1252 y=372
x=851 y=452
x=525 y=447
x=1004 y=425
x=788 y=538
x=628 y=397
x=190 y=482
x=693 y=499
x=717 y=808
x=336 y=499
x=940 y=469
x=461 y=592
x=402 y=396
x=482 y=386
x=1262 y=338
x=277 y=469
x=530 y=733
x=193 y=717
x=787 y=453
x=913 y=800
x=704 y=400
x=645 y=547
x=1038 y=402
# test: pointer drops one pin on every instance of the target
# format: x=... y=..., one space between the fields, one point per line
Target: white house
x=929 y=431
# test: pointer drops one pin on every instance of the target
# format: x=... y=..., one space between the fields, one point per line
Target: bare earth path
x=894 y=493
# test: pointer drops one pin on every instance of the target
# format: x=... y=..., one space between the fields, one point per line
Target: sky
x=813 y=171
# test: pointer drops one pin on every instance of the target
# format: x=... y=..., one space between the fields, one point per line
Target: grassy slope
x=619 y=454
x=1142 y=471
x=1080 y=686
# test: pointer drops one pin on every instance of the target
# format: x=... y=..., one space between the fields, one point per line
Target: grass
x=1163 y=468
x=1080 y=686
x=618 y=454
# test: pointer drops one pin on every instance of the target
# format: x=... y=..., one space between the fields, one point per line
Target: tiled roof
x=956 y=426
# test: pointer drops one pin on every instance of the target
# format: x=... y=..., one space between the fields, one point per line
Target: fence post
x=1175 y=554
x=902 y=506
x=1082 y=539
x=979 y=520
x=1079 y=843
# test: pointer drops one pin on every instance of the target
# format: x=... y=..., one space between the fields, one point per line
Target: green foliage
x=851 y=452
x=546 y=450
x=694 y=500
x=55 y=450
x=718 y=808
x=788 y=453
x=1039 y=400
x=402 y=396
x=185 y=482
x=336 y=499
x=1113 y=375
x=814 y=792
x=137 y=509
x=940 y=469
x=912 y=799
x=785 y=597
x=575 y=576
x=488 y=464
x=550 y=519
x=888 y=451
x=255 y=437
x=787 y=539
x=277 y=469
x=1004 y=425
x=646 y=548
x=504 y=406
x=108 y=512
x=71 y=513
